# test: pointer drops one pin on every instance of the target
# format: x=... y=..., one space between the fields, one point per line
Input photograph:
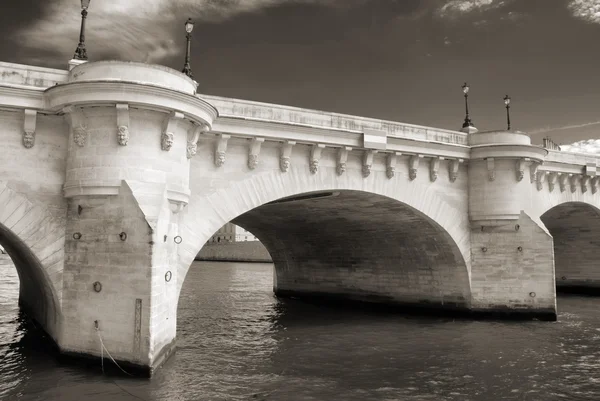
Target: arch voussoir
x=209 y=211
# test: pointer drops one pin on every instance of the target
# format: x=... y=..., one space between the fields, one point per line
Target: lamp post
x=507 y=103
x=189 y=26
x=80 y=53
x=468 y=122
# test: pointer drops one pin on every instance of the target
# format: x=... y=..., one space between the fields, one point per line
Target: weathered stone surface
x=84 y=200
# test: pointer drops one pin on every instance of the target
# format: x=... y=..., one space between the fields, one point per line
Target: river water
x=238 y=342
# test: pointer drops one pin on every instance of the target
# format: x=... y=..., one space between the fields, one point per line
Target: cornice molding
x=135 y=94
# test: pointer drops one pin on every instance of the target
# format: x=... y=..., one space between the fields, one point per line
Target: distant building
x=232 y=233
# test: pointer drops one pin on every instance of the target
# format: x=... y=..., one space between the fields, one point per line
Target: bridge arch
x=35 y=242
x=575 y=228
x=418 y=217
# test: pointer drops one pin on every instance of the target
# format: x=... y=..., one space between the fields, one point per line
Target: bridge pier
x=512 y=270
x=127 y=180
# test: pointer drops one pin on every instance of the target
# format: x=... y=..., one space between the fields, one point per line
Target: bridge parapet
x=236 y=109
x=570 y=171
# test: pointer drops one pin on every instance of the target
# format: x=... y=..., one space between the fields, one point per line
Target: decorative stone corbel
x=167 y=136
x=594 y=182
x=193 y=136
x=585 y=181
x=573 y=178
x=413 y=166
x=29 y=128
x=220 y=149
x=491 y=168
x=342 y=156
x=254 y=151
x=285 y=155
x=390 y=164
x=562 y=181
x=539 y=179
x=434 y=166
x=520 y=168
x=78 y=124
x=453 y=166
x=533 y=168
x=315 y=157
x=122 y=124
x=367 y=162
x=552 y=180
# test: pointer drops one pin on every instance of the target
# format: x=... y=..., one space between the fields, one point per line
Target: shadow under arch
x=357 y=245
x=36 y=296
x=34 y=240
x=575 y=228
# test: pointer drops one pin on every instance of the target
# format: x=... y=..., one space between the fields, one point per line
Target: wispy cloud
x=588 y=10
x=458 y=8
x=563 y=128
x=137 y=30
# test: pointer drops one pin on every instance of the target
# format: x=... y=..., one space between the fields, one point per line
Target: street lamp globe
x=506 y=100
x=465 y=88
x=189 y=24
x=85 y=4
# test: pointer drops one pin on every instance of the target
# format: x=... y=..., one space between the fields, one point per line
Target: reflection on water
x=238 y=342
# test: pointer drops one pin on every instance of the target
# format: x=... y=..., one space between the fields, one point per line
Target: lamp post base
x=75 y=62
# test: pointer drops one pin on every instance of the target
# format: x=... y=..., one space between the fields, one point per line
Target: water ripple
x=239 y=342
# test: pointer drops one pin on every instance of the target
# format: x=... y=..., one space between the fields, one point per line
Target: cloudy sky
x=403 y=60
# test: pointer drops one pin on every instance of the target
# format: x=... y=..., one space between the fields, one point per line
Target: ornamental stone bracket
x=520 y=168
x=585 y=181
x=367 y=162
x=552 y=178
x=192 y=139
x=29 y=128
x=221 y=149
x=533 y=168
x=254 y=151
x=594 y=182
x=413 y=166
x=167 y=137
x=122 y=124
x=573 y=179
x=285 y=155
x=434 y=167
x=315 y=157
x=390 y=164
x=491 y=168
x=539 y=179
x=453 y=166
x=77 y=123
x=342 y=157
x=562 y=182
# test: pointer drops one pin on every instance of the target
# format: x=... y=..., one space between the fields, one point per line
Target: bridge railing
x=265 y=112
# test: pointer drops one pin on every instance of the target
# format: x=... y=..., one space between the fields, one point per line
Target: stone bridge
x=115 y=174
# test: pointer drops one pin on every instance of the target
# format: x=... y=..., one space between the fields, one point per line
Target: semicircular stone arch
x=575 y=228
x=34 y=240
x=209 y=210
